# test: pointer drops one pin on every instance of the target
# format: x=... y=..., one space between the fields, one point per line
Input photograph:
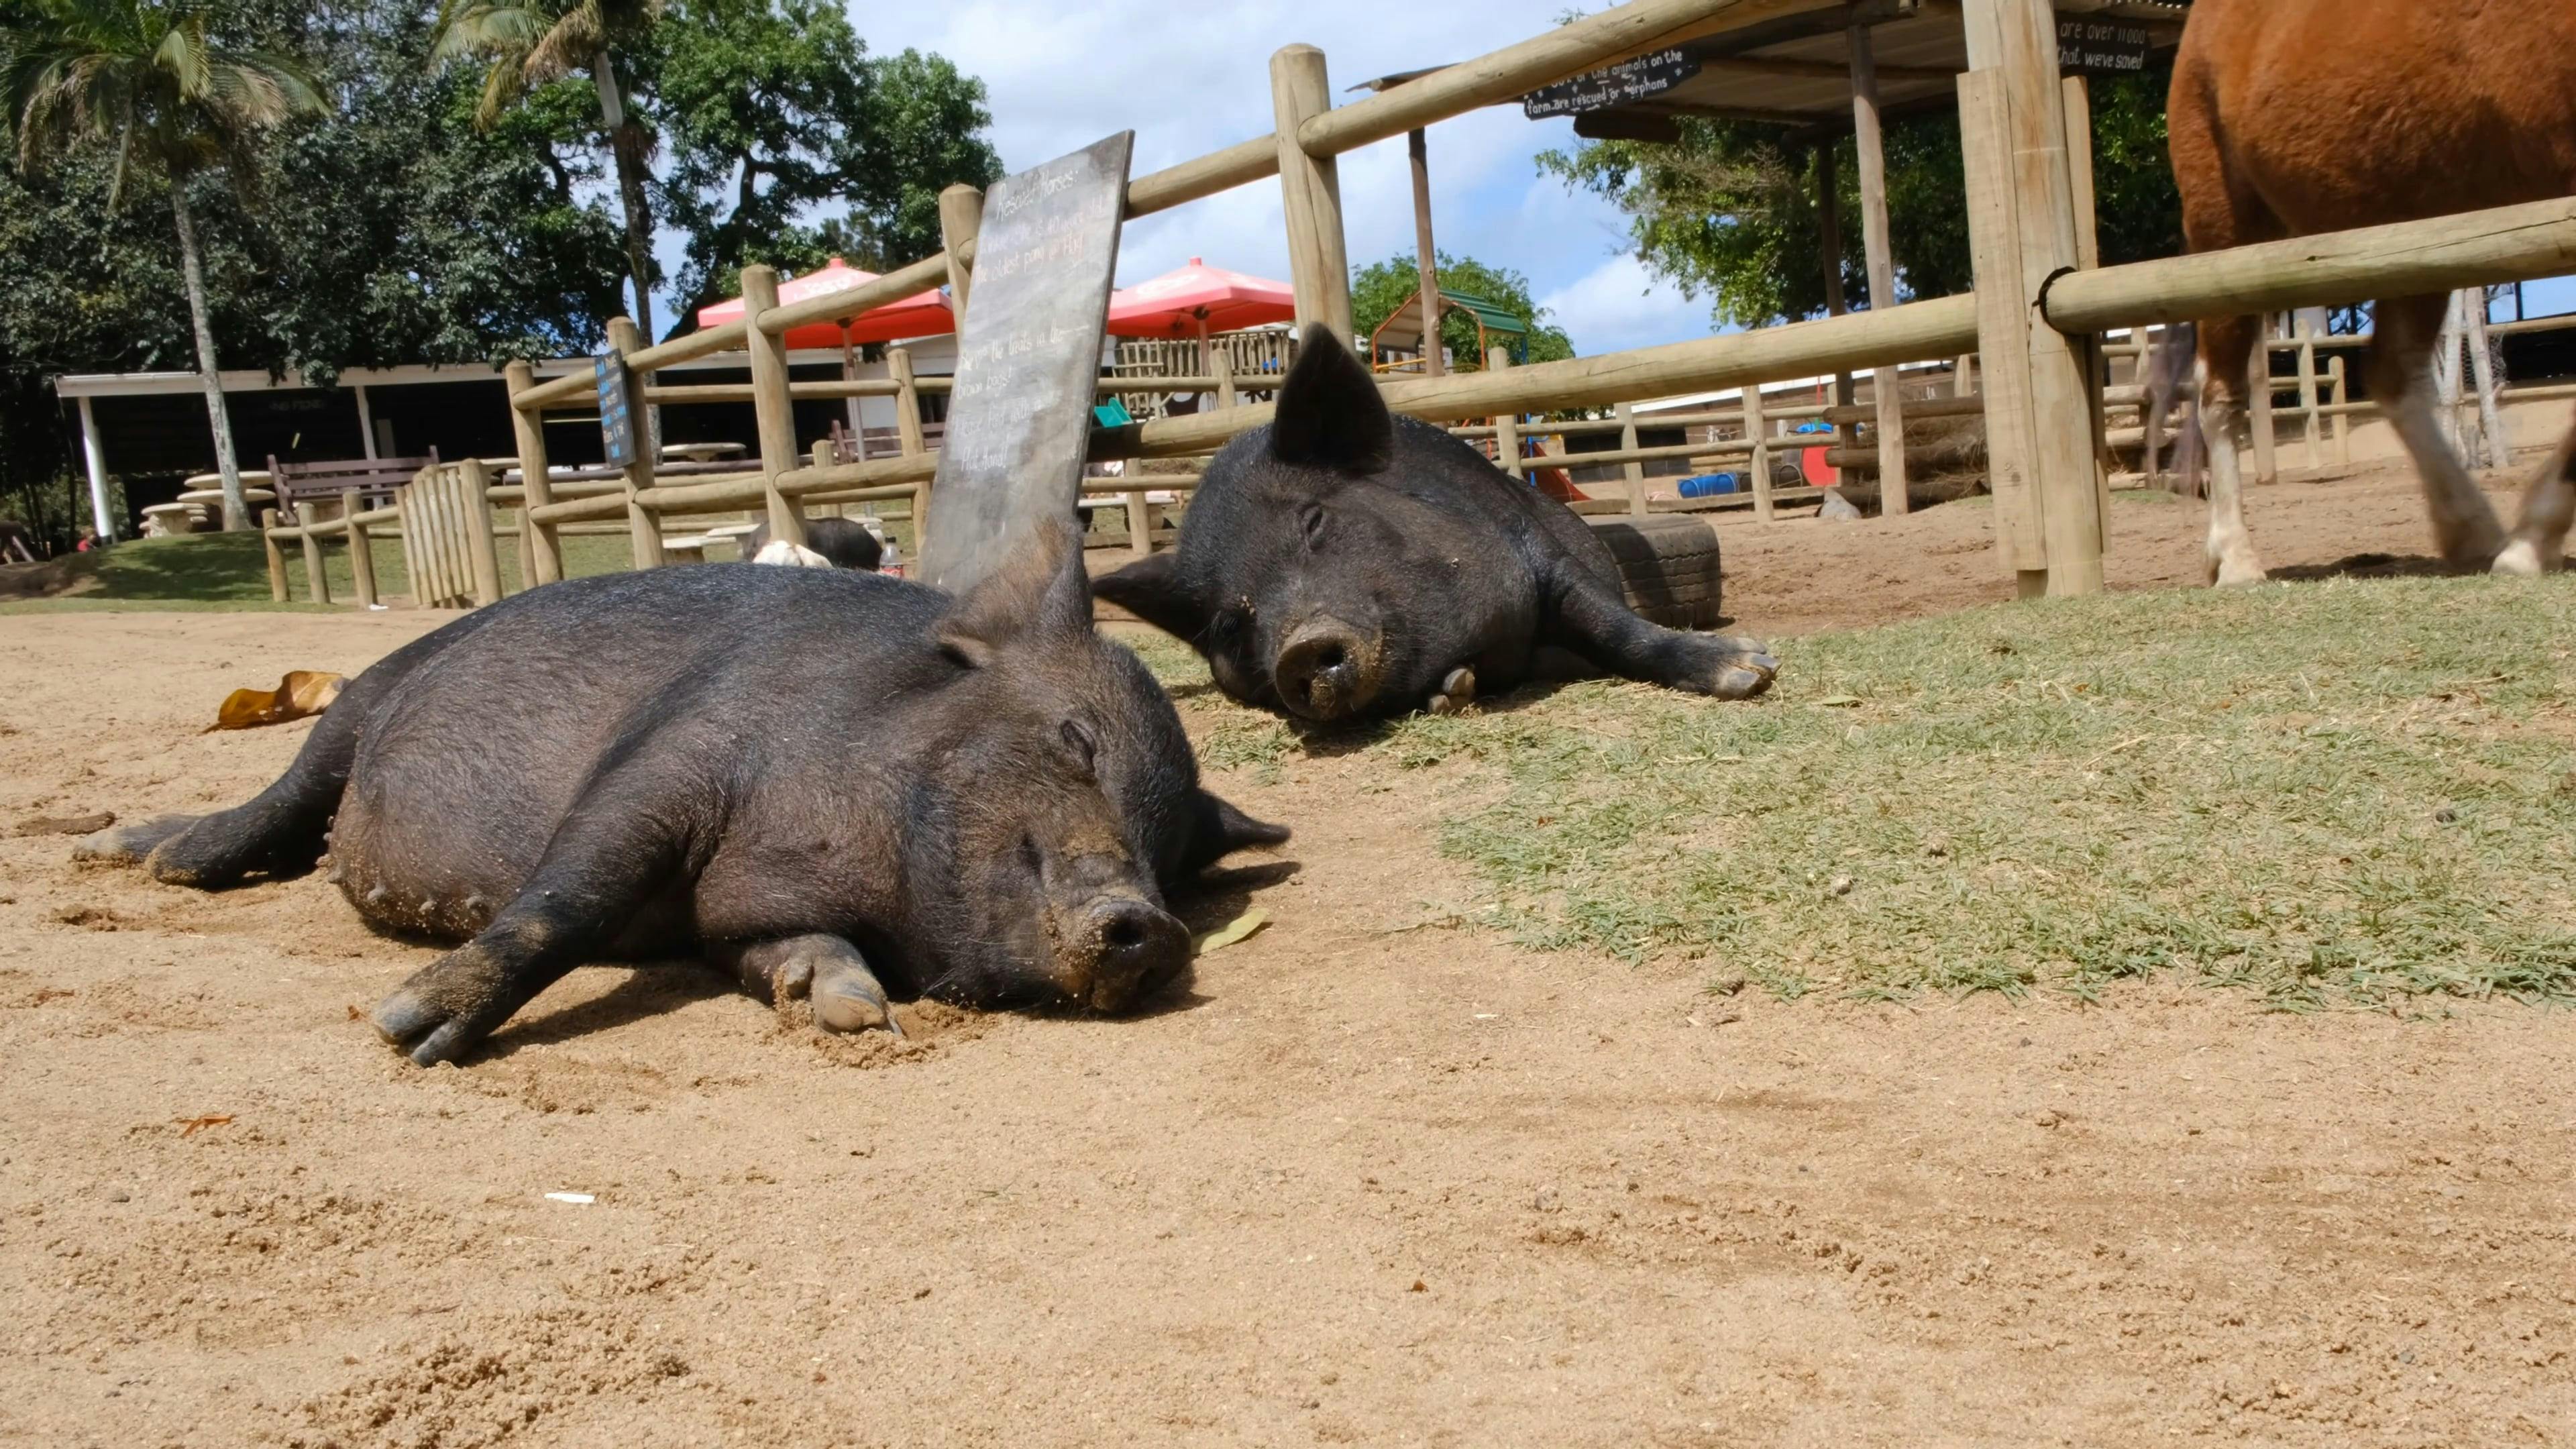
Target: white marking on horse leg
x=2540 y=540
x=2464 y=526
x=2230 y=551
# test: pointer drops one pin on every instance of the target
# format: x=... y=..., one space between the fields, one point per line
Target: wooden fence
x=2039 y=307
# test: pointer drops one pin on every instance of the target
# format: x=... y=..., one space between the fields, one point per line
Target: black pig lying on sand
x=831 y=782
x=1342 y=562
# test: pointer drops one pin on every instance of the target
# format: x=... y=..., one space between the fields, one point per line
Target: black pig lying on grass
x=831 y=782
x=1342 y=562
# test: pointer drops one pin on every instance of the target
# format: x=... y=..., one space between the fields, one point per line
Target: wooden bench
x=372 y=479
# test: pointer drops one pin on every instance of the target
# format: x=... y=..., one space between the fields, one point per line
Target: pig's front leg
x=824 y=971
x=1595 y=623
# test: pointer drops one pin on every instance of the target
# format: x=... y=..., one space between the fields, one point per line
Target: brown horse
x=2290 y=117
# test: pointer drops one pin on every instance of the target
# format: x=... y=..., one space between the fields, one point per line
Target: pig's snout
x=1327 y=669
x=1127 y=948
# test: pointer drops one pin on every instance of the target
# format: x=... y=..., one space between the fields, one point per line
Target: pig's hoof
x=446 y=1009
x=129 y=844
x=2520 y=558
x=828 y=974
x=1741 y=669
x=1457 y=691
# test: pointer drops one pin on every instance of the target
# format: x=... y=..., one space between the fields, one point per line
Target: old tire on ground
x=1667 y=567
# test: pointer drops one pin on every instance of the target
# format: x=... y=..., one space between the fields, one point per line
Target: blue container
x=1704 y=485
x=1813 y=427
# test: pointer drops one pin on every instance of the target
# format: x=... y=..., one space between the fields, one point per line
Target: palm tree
x=529 y=42
x=145 y=74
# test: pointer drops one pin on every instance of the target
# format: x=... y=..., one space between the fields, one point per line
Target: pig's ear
x=1217 y=830
x=1330 y=415
x=1040 y=592
x=1153 y=590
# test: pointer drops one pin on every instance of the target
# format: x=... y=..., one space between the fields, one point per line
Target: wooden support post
x=1319 y=265
x=1963 y=375
x=961 y=215
x=2267 y=460
x=2446 y=380
x=2342 y=420
x=277 y=591
x=1875 y=249
x=1632 y=470
x=771 y=402
x=540 y=550
x=2076 y=94
x=1507 y=426
x=362 y=556
x=1417 y=147
x=644 y=528
x=1140 y=522
x=314 y=579
x=2039 y=424
x=2482 y=372
x=475 y=490
x=2312 y=454
x=1222 y=362
x=907 y=401
x=403 y=531
x=1757 y=431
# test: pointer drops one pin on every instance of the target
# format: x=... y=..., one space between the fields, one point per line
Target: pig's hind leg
x=1592 y=621
x=826 y=972
x=624 y=842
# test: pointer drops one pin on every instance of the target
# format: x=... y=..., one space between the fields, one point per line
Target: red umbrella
x=1196 y=300
x=924 y=314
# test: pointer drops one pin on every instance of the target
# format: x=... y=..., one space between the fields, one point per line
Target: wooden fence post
x=2022 y=231
x=311 y=514
x=277 y=592
x=1507 y=426
x=961 y=215
x=540 y=550
x=1319 y=266
x=1222 y=359
x=2312 y=454
x=770 y=400
x=1881 y=262
x=643 y=528
x=484 y=554
x=2267 y=461
x=1632 y=470
x=1757 y=431
x=403 y=531
x=2482 y=372
x=2076 y=94
x=362 y=555
x=2342 y=420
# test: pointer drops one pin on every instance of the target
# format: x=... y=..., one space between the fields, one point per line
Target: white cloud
x=1619 y=304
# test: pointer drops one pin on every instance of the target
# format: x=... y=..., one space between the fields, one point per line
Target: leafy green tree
x=773 y=110
x=525 y=44
x=1379 y=288
x=1729 y=212
x=151 y=78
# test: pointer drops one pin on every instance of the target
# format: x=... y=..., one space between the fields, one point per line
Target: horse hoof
x=2521 y=559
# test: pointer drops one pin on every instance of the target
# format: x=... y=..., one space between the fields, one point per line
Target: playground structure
x=2035 y=321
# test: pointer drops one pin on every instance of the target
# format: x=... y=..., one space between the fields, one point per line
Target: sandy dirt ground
x=1373 y=1179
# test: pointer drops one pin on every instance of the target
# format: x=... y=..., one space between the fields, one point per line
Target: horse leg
x=2225 y=345
x=2400 y=365
x=2540 y=540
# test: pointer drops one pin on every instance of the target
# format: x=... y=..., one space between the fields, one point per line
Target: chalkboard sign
x=2100 y=47
x=1028 y=361
x=616 y=412
x=1595 y=90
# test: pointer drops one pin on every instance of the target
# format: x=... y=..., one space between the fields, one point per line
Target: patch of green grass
x=2332 y=793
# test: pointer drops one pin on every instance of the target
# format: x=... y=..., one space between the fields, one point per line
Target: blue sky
x=1190 y=78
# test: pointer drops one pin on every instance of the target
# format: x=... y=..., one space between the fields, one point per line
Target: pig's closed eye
x=1312 y=518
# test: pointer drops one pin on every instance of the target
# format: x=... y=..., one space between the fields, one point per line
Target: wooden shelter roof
x=1797 y=70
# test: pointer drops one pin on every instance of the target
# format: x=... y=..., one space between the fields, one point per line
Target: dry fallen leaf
x=1839 y=701
x=66 y=824
x=190 y=1126
x=1231 y=932
x=302 y=692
